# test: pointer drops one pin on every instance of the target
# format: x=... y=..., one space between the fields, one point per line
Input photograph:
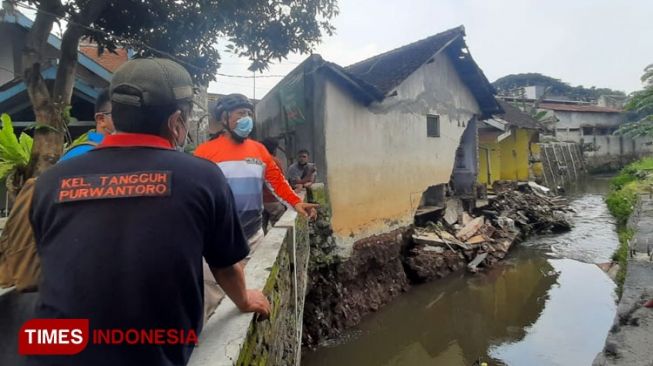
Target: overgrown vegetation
x=634 y=178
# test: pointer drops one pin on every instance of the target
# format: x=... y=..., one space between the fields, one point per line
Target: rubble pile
x=482 y=238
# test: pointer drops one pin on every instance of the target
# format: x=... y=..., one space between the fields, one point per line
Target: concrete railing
x=279 y=266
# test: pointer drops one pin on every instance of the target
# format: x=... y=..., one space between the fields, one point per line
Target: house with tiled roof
x=388 y=134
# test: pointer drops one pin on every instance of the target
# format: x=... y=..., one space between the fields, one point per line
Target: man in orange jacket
x=247 y=165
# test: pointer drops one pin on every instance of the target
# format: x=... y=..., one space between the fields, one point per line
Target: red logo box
x=53 y=337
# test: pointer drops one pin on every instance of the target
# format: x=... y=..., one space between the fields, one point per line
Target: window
x=432 y=126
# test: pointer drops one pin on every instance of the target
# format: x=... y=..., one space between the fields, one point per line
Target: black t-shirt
x=121 y=232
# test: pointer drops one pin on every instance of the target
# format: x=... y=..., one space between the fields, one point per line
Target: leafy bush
x=621 y=203
x=14 y=152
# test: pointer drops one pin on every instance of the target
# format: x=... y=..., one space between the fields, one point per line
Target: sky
x=602 y=43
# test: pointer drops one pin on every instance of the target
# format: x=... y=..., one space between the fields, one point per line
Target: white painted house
x=384 y=130
x=593 y=127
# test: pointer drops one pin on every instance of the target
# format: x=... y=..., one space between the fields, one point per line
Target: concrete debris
x=483 y=237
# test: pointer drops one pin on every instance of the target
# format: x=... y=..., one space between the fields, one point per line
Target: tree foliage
x=192 y=31
x=189 y=32
x=510 y=83
x=640 y=106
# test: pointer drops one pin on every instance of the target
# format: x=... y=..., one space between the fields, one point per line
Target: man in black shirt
x=121 y=231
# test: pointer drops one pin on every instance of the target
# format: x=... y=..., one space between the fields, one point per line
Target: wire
x=140 y=43
x=250 y=76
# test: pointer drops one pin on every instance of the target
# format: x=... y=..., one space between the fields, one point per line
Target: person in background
x=272 y=208
x=302 y=174
x=103 y=126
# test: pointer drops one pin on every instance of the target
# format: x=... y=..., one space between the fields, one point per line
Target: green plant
x=14 y=152
x=621 y=256
x=625 y=187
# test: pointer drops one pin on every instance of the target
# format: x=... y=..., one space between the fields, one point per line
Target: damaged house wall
x=380 y=157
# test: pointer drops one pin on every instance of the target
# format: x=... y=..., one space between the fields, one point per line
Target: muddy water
x=547 y=304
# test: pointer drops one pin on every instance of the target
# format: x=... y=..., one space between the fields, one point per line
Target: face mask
x=244 y=127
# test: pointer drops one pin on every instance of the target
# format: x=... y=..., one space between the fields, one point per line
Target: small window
x=432 y=126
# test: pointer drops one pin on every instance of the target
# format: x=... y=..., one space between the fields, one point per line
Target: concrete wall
x=234 y=338
x=580 y=119
x=380 y=159
x=7 y=54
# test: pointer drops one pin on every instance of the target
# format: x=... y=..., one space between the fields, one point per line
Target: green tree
x=511 y=84
x=641 y=107
x=189 y=31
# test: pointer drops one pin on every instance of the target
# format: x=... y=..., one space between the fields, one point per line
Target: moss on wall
x=277 y=340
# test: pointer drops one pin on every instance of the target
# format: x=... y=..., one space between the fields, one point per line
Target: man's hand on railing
x=232 y=281
x=257 y=303
x=308 y=210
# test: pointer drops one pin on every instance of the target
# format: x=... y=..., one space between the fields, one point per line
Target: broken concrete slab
x=473 y=265
x=466 y=219
x=453 y=210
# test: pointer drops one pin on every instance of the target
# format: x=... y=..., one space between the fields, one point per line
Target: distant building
x=592 y=125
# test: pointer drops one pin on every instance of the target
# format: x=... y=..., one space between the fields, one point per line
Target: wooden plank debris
x=471 y=228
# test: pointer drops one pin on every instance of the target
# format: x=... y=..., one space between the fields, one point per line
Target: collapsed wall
x=562 y=163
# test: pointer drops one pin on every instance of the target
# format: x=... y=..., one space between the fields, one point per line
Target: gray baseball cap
x=151 y=82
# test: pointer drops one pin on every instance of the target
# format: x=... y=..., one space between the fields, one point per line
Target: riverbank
x=630 y=338
x=343 y=290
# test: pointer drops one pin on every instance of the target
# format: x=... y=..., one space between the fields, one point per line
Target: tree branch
x=64 y=83
x=35 y=44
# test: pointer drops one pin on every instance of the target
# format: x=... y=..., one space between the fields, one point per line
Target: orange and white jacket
x=247 y=167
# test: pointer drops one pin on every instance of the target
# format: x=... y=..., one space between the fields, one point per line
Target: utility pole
x=254 y=88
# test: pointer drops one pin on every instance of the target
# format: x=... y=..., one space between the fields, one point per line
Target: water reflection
x=450 y=322
x=574 y=323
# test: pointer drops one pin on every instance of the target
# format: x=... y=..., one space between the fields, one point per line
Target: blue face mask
x=244 y=126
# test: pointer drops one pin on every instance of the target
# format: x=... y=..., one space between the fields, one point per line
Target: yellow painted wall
x=494 y=152
x=509 y=159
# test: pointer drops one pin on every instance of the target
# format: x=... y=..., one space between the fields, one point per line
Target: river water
x=546 y=304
